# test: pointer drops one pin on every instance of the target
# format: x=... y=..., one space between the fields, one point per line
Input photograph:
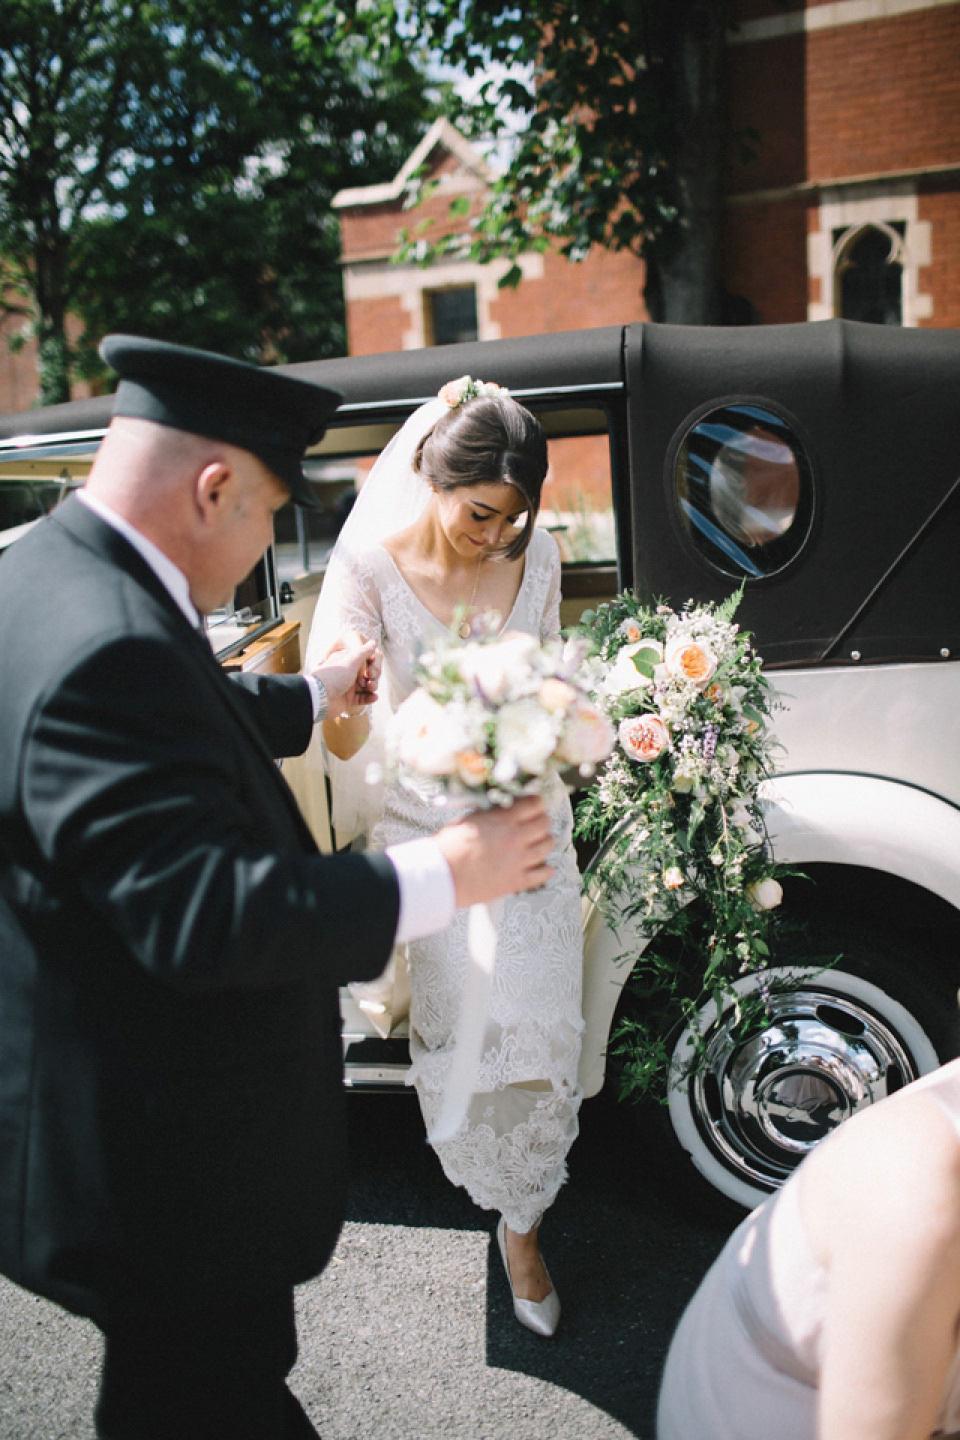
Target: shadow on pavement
x=624 y=1252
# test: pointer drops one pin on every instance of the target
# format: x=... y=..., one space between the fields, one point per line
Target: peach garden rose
x=644 y=737
x=689 y=659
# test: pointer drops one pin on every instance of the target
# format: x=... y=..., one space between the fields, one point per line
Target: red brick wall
x=766 y=83
x=940 y=204
x=851 y=100
x=19 y=387
x=880 y=98
x=885 y=95
x=374 y=326
x=603 y=289
x=19 y=383
x=764 y=257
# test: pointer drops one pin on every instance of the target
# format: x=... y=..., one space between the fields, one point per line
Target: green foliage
x=618 y=116
x=683 y=859
x=167 y=167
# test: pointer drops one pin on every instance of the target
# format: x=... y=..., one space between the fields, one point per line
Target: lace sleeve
x=550 y=619
x=349 y=600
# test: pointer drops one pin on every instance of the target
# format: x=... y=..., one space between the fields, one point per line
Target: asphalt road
x=410 y=1335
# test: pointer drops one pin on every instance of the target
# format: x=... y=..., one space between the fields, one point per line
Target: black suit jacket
x=171 y=943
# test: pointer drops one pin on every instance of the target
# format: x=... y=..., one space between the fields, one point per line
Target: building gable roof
x=442 y=136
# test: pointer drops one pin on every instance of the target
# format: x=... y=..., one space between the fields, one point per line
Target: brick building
x=852 y=206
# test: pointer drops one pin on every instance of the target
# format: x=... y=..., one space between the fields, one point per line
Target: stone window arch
x=867 y=262
x=873 y=224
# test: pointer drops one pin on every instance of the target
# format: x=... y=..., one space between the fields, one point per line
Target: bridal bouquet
x=690 y=866
x=494 y=715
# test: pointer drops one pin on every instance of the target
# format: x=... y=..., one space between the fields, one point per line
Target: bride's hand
x=498 y=851
x=350 y=673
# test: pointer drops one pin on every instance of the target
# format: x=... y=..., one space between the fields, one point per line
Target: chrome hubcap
x=763 y=1105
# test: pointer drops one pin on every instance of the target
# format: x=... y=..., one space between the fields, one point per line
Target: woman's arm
x=349 y=604
x=550 y=619
x=887 y=1206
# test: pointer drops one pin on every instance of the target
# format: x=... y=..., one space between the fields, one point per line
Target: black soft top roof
x=531 y=365
x=876 y=408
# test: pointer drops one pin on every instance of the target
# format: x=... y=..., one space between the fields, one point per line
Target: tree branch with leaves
x=618 y=114
x=167 y=167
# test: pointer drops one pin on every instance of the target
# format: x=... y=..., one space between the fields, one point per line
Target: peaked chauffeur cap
x=274 y=416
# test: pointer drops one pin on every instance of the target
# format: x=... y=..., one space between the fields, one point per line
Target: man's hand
x=349 y=673
x=498 y=851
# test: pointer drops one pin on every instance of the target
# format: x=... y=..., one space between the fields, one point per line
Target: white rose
x=765 y=894
x=623 y=675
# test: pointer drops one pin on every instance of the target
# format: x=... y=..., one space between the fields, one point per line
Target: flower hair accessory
x=457 y=392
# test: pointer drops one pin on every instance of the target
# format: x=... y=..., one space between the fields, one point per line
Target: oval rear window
x=744 y=491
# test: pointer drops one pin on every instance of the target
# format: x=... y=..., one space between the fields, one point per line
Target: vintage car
x=818 y=465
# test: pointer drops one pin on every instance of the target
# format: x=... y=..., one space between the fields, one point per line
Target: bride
x=444 y=529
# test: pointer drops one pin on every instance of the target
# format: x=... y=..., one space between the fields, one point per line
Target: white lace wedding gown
x=510 y=1154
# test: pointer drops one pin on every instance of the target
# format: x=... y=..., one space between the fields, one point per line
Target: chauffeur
x=172 y=1154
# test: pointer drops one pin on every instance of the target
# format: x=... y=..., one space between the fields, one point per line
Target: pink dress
x=745 y=1360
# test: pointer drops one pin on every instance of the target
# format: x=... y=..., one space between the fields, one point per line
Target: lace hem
x=511 y=1155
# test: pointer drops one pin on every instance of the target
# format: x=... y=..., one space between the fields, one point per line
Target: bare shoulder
x=402 y=547
x=880 y=1172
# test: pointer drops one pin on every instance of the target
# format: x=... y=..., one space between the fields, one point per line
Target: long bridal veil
x=391 y=498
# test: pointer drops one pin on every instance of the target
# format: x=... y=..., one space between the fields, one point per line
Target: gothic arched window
x=868 y=266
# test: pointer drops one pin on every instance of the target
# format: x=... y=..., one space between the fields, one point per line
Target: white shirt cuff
x=427 y=895
x=318 y=695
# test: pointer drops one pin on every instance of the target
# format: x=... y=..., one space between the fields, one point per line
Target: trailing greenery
x=683 y=858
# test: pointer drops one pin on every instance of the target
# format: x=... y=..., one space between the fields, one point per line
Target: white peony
x=493 y=670
x=623 y=675
x=427 y=737
x=526 y=736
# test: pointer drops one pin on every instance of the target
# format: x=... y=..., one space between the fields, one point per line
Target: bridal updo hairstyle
x=490 y=440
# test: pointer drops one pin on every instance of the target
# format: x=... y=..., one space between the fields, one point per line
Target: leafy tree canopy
x=618 y=114
x=167 y=167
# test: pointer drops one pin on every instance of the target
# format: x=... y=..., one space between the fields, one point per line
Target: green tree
x=621 y=130
x=167 y=167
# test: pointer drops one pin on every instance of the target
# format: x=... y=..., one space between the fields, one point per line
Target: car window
x=743 y=489
x=576 y=505
x=577 y=500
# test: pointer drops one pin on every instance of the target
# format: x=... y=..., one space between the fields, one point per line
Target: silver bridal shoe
x=540 y=1316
